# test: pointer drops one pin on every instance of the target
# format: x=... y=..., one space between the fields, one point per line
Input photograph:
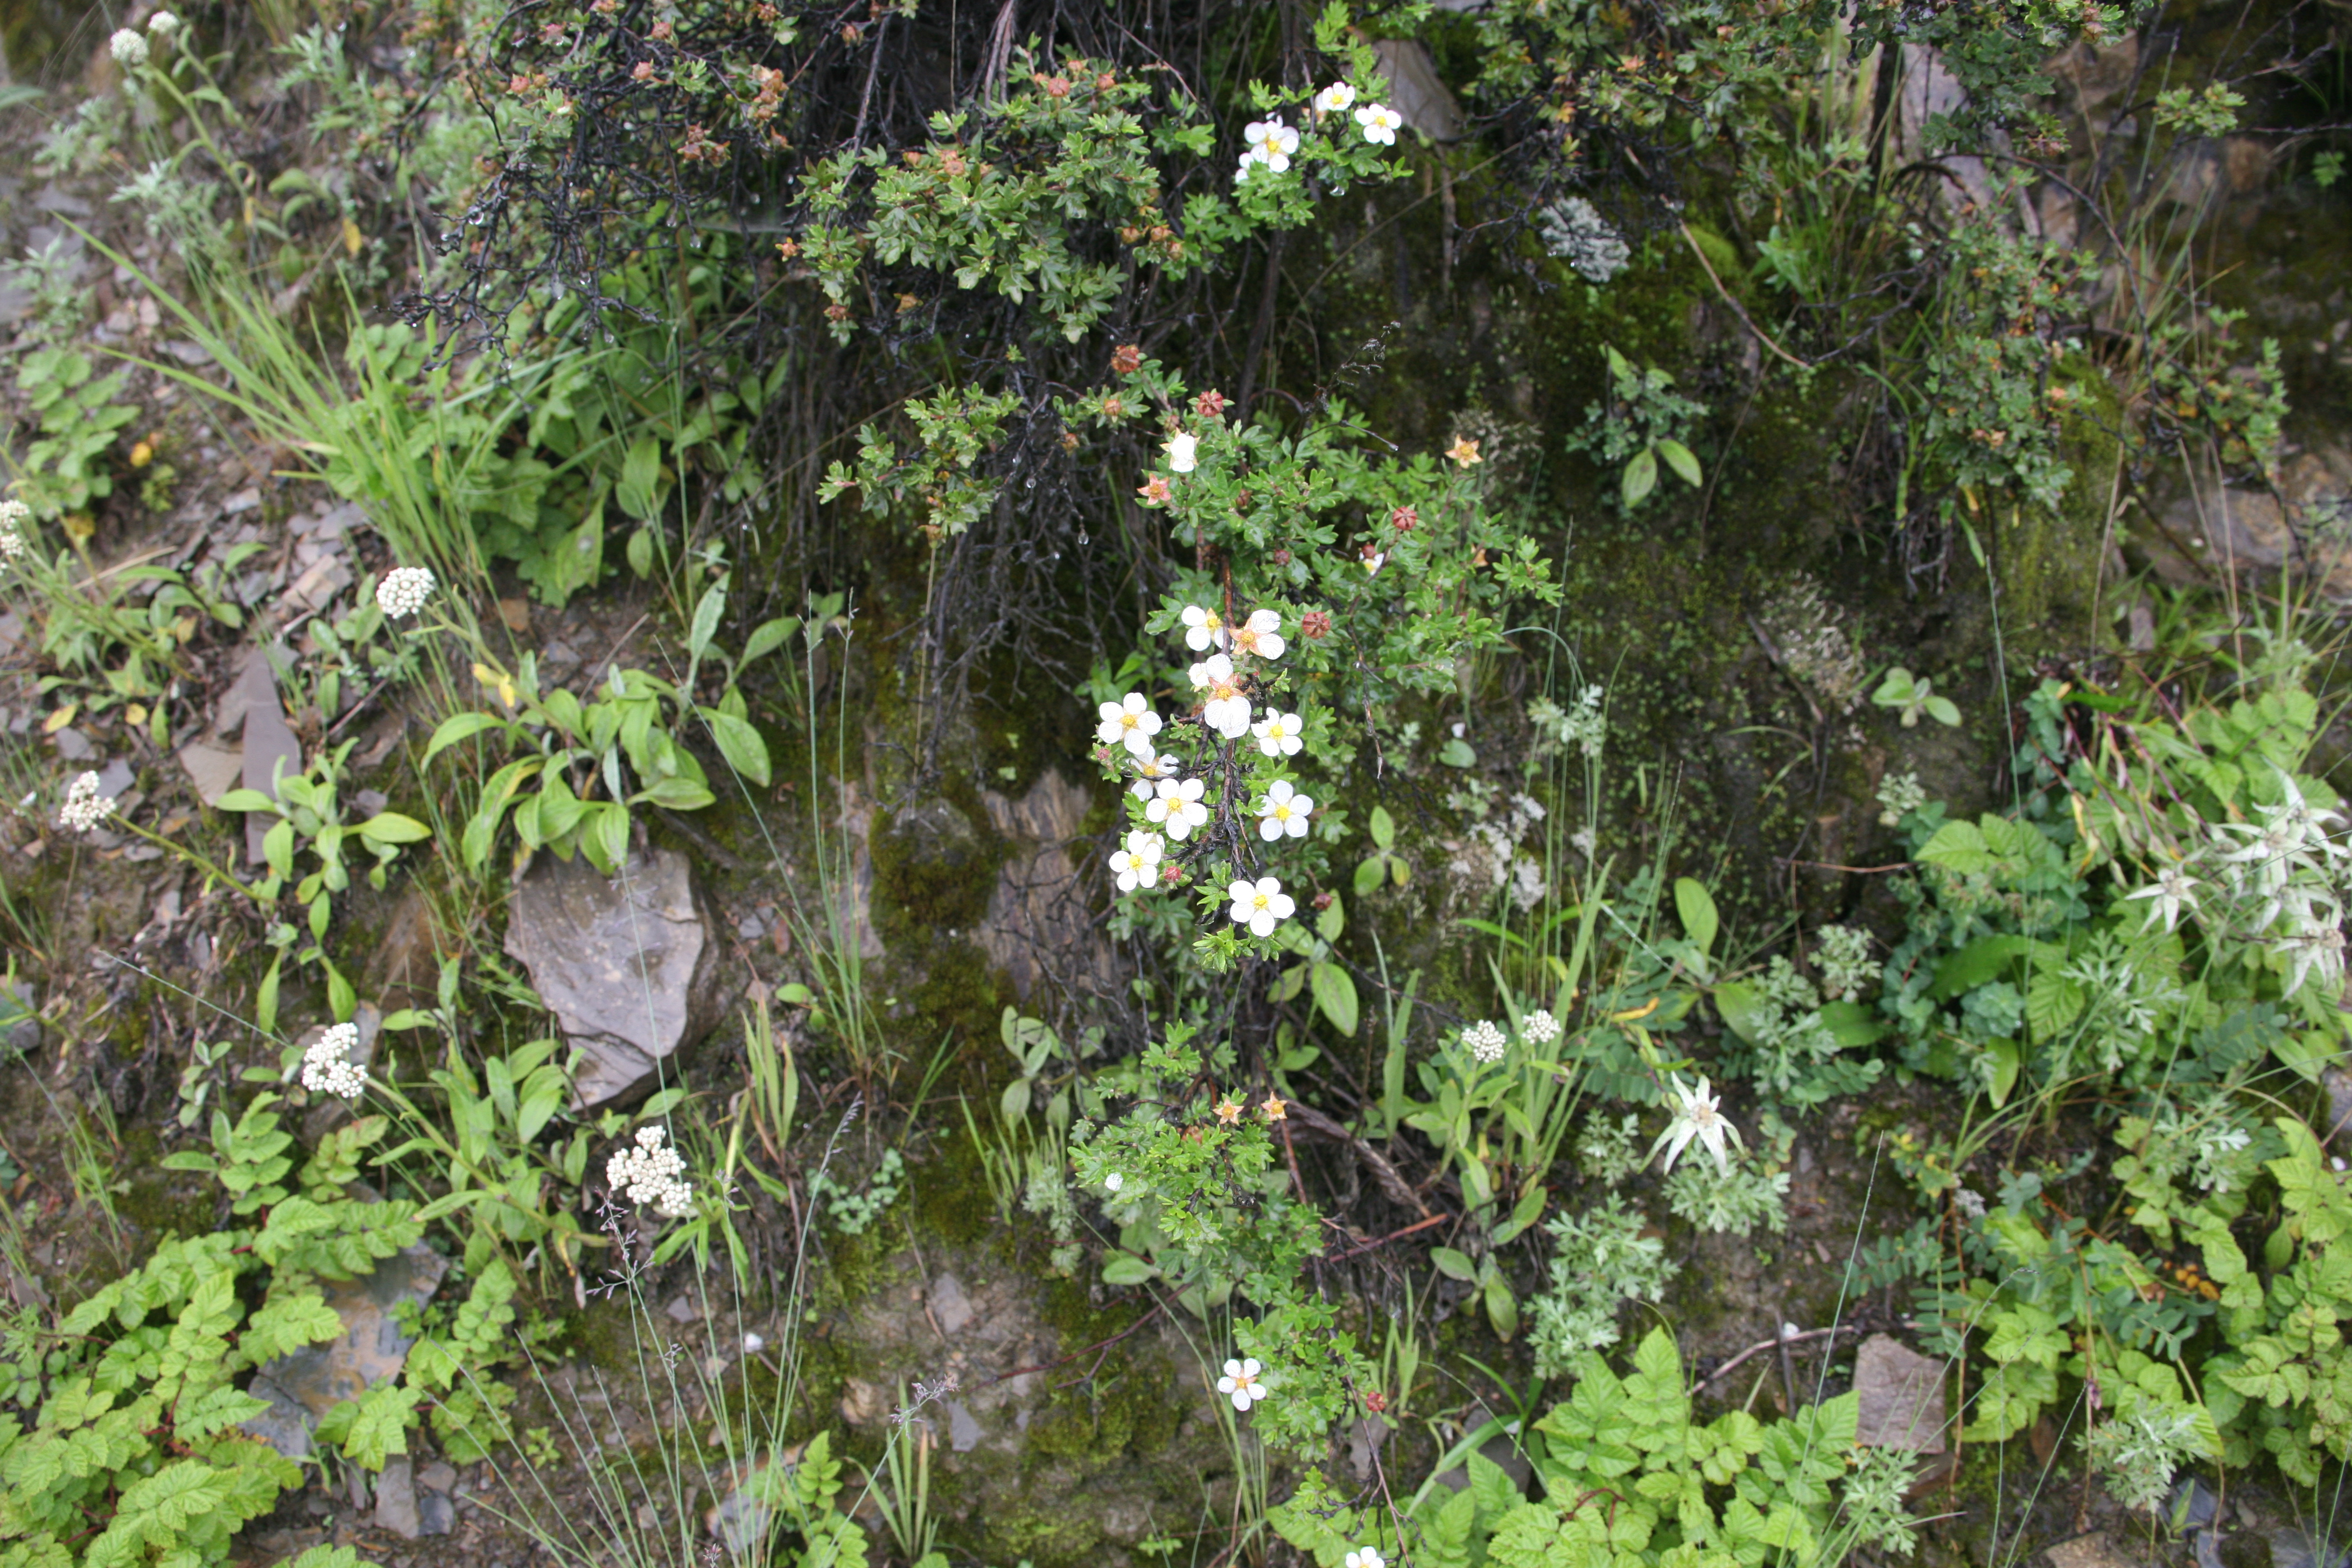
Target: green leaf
x=1958 y=847
x=1695 y=907
x=739 y=741
x=1943 y=712
x=1502 y=1307
x=265 y=1001
x=1680 y=459
x=391 y=827
x=1454 y=1264
x=767 y=637
x=1369 y=875
x=1458 y=753
x=2007 y=1060
x=1335 y=993
x=707 y=613
x=1127 y=1269
x=246 y=800
x=456 y=728
x=1382 y=827
x=1640 y=478
x=1987 y=958
x=640 y=473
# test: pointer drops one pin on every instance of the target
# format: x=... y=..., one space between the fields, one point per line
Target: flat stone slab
x=1902 y=1397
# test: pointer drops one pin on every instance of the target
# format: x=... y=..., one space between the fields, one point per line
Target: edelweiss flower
x=1541 y=1028
x=1260 y=634
x=1227 y=711
x=328 y=1067
x=1178 y=804
x=403 y=591
x=1484 y=1041
x=1381 y=123
x=1240 y=1383
x=130 y=48
x=1365 y=1557
x=1183 y=452
x=1272 y=142
x=1278 y=734
x=1696 y=1117
x=84 y=807
x=1202 y=628
x=2171 y=892
x=1331 y=100
x=1285 y=814
x=1149 y=770
x=652 y=1176
x=1129 y=722
x=1137 y=864
x=1260 y=905
x=2319 y=947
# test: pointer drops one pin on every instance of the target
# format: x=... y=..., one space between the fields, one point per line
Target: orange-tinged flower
x=1275 y=1109
x=1156 y=491
x=1464 y=451
x=1229 y=1109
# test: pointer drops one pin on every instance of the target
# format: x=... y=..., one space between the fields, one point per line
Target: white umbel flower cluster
x=164 y=25
x=130 y=47
x=14 y=515
x=328 y=1067
x=403 y=591
x=1484 y=1041
x=84 y=807
x=651 y=1176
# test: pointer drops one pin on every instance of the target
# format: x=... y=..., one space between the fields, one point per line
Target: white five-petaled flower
x=1271 y=143
x=1285 y=814
x=1484 y=1041
x=1331 y=100
x=1243 y=1384
x=1177 y=803
x=84 y=807
x=652 y=1176
x=1149 y=770
x=403 y=590
x=1261 y=905
x=1242 y=174
x=1260 y=634
x=1374 y=562
x=1113 y=1182
x=1227 y=711
x=1137 y=861
x=1203 y=629
x=130 y=47
x=2172 y=893
x=1278 y=734
x=328 y=1067
x=1365 y=1557
x=1183 y=450
x=1697 y=1116
x=1129 y=722
x=1540 y=1028
x=1381 y=123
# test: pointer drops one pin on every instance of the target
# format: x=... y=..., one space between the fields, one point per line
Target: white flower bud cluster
x=84 y=808
x=403 y=591
x=14 y=515
x=129 y=47
x=328 y=1067
x=1541 y=1028
x=652 y=1176
x=1484 y=1041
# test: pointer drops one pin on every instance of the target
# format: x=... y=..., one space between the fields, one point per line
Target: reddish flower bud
x=1126 y=360
x=1315 y=624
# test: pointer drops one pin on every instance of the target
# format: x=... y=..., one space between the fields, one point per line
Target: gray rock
x=2338 y=1082
x=437 y=1513
x=627 y=965
x=964 y=1432
x=20 y=1020
x=395 y=1499
x=1902 y=1397
x=1040 y=925
x=950 y=1305
x=2092 y=1550
x=1415 y=90
x=302 y=1387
